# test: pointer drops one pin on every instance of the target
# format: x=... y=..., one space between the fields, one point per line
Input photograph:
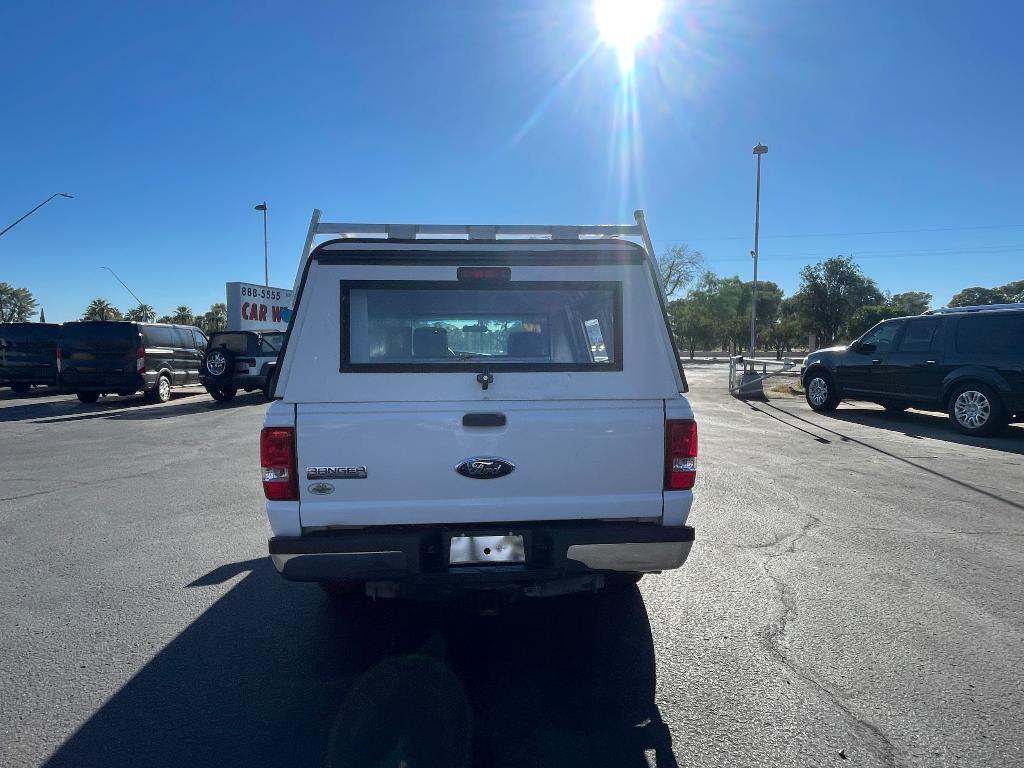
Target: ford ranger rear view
x=478 y=408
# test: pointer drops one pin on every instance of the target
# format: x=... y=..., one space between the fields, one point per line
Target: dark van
x=98 y=357
x=28 y=355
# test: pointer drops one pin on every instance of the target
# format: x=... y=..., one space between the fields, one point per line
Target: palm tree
x=16 y=304
x=144 y=313
x=101 y=309
x=214 y=320
x=183 y=315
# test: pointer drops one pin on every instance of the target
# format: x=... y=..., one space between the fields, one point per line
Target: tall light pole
x=122 y=283
x=55 y=194
x=759 y=150
x=266 y=264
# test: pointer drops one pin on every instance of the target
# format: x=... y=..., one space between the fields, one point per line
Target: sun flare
x=624 y=24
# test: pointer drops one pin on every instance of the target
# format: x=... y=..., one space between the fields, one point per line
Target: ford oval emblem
x=321 y=489
x=484 y=468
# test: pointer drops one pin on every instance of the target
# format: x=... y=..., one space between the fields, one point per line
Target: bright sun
x=624 y=24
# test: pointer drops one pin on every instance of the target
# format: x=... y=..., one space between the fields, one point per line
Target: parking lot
x=854 y=595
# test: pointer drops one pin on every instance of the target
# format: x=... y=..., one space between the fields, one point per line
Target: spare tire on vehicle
x=219 y=364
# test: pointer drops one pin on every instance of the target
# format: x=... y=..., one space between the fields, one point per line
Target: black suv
x=99 y=357
x=966 y=361
x=28 y=355
x=240 y=360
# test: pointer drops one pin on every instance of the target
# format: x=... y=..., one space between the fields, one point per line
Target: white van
x=464 y=407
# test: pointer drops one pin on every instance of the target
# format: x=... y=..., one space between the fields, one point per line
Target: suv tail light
x=140 y=360
x=680 y=455
x=58 y=359
x=245 y=362
x=277 y=462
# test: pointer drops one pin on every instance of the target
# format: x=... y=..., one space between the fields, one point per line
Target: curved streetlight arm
x=55 y=194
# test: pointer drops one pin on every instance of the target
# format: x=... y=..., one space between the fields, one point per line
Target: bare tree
x=680 y=265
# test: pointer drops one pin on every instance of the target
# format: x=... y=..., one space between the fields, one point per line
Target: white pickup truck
x=478 y=408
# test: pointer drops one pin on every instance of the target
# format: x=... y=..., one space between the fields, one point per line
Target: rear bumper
x=419 y=555
x=107 y=383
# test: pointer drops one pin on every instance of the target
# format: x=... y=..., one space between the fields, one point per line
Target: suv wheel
x=222 y=394
x=975 y=409
x=88 y=397
x=821 y=392
x=161 y=393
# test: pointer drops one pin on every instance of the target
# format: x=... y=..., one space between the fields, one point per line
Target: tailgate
x=570 y=460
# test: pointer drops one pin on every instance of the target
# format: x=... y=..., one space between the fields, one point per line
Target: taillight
x=680 y=455
x=245 y=362
x=58 y=359
x=140 y=360
x=277 y=462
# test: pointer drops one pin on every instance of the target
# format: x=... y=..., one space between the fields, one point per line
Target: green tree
x=830 y=292
x=690 y=325
x=769 y=303
x=970 y=297
x=216 y=319
x=787 y=331
x=183 y=315
x=17 y=305
x=1014 y=291
x=718 y=300
x=910 y=302
x=679 y=265
x=166 y=319
x=870 y=316
x=101 y=309
x=781 y=336
x=144 y=313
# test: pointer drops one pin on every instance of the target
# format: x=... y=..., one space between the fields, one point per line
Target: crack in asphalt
x=771 y=639
x=97 y=481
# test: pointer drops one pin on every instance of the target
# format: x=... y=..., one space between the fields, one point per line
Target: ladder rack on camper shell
x=585 y=233
x=407 y=232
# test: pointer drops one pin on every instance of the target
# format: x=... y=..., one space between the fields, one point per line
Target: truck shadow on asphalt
x=124 y=408
x=272 y=674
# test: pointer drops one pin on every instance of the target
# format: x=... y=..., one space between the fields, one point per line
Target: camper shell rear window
x=395 y=326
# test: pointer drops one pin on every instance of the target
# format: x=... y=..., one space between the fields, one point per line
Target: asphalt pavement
x=854 y=598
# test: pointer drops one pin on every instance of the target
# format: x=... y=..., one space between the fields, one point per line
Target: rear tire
x=161 y=393
x=88 y=397
x=222 y=395
x=20 y=388
x=975 y=409
x=820 y=392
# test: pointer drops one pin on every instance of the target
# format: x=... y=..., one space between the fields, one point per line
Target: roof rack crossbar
x=479 y=231
x=974 y=308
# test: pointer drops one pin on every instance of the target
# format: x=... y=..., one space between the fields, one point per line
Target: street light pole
x=759 y=150
x=266 y=263
x=55 y=194
x=122 y=283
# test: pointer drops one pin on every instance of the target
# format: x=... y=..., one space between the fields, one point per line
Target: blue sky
x=894 y=134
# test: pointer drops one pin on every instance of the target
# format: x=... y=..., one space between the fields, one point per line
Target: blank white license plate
x=474 y=550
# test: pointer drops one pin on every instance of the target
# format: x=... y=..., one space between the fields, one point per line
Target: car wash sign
x=258 y=307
